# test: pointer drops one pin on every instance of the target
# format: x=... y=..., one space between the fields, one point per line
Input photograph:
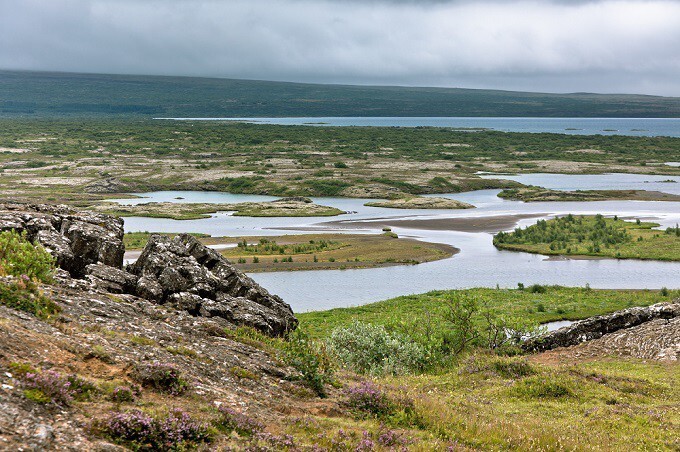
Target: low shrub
x=51 y=387
x=142 y=432
x=371 y=349
x=310 y=359
x=23 y=294
x=162 y=377
x=231 y=420
x=20 y=257
x=368 y=398
x=121 y=394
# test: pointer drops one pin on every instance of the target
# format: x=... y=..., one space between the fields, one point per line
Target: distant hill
x=48 y=94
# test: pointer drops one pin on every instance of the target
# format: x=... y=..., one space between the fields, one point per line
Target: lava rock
x=75 y=239
x=596 y=327
x=190 y=276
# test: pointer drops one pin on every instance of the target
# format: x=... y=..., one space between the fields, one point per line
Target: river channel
x=478 y=264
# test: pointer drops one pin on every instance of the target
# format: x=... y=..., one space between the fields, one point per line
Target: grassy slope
x=412 y=313
x=57 y=94
x=643 y=242
x=491 y=403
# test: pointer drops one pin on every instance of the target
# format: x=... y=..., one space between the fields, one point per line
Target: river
x=479 y=263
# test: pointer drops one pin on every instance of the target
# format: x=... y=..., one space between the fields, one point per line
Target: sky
x=608 y=46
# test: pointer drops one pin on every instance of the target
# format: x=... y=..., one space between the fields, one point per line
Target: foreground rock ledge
x=179 y=272
x=606 y=325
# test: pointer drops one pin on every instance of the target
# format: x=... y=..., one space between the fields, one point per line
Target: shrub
x=20 y=257
x=140 y=431
x=122 y=394
x=162 y=377
x=370 y=349
x=50 y=386
x=231 y=420
x=310 y=359
x=368 y=398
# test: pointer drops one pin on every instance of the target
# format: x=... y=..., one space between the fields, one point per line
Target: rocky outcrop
x=188 y=275
x=599 y=326
x=75 y=239
x=181 y=272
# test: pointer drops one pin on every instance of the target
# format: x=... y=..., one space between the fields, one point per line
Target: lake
x=651 y=127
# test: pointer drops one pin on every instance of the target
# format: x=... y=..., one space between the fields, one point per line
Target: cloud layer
x=556 y=46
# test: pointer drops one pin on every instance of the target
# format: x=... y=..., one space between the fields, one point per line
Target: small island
x=421 y=202
x=540 y=194
x=285 y=207
x=312 y=251
x=594 y=236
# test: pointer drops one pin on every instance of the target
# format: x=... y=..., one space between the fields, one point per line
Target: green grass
x=414 y=314
x=594 y=236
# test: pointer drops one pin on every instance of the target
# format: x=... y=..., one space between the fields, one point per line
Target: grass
x=415 y=314
x=594 y=236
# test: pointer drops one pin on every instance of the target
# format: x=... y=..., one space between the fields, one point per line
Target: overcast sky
x=628 y=46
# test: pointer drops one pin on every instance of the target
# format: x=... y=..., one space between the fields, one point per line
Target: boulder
x=76 y=239
x=190 y=276
x=111 y=279
x=598 y=326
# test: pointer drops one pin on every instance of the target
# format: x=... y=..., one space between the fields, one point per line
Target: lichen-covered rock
x=190 y=276
x=76 y=239
x=110 y=279
x=596 y=327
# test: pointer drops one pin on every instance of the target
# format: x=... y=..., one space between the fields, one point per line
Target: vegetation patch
x=594 y=236
x=540 y=194
x=421 y=202
x=140 y=431
x=19 y=257
x=163 y=377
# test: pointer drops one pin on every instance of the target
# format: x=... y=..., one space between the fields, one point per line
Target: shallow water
x=573 y=126
x=479 y=263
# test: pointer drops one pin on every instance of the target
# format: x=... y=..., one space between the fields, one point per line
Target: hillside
x=46 y=94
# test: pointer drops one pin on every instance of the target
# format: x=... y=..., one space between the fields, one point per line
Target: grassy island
x=421 y=202
x=316 y=251
x=594 y=236
x=294 y=207
x=537 y=194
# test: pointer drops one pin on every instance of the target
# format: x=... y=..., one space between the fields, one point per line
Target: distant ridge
x=51 y=94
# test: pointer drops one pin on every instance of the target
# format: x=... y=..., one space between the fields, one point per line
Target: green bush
x=310 y=359
x=20 y=257
x=371 y=349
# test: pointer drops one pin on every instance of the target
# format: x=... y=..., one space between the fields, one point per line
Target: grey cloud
x=603 y=45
